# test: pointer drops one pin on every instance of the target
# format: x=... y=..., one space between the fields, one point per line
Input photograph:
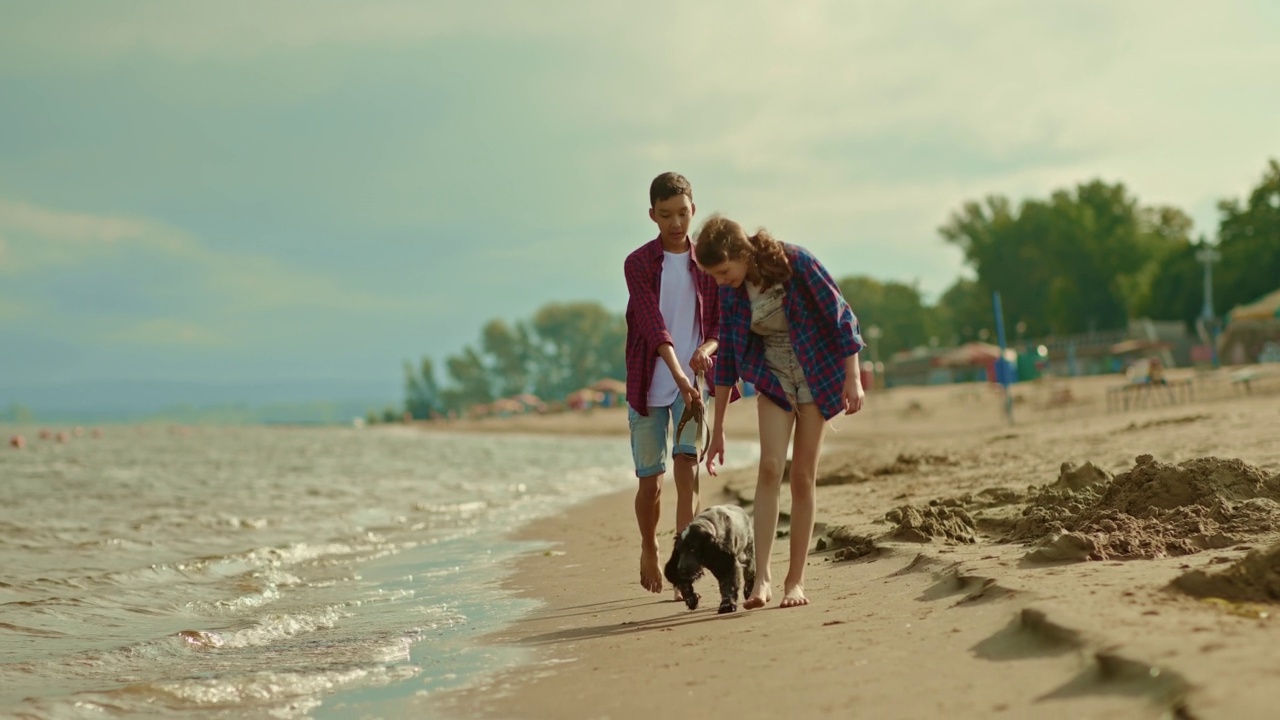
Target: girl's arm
x=715 y=450
x=831 y=302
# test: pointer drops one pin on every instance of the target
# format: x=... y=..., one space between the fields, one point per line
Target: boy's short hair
x=668 y=185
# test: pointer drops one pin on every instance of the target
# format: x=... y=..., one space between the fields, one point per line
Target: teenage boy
x=673 y=326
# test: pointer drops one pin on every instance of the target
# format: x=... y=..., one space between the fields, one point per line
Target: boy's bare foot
x=759 y=598
x=794 y=597
x=650 y=573
x=679 y=596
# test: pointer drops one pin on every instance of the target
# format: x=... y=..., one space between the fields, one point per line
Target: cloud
x=42 y=237
x=143 y=281
x=245 y=30
x=392 y=173
x=170 y=332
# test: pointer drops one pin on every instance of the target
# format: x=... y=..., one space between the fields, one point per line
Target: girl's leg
x=775 y=435
x=804 y=473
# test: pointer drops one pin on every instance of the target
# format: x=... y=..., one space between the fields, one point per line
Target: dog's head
x=691 y=546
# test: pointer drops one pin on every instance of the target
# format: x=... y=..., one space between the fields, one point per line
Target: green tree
x=579 y=343
x=472 y=383
x=1177 y=290
x=1249 y=240
x=512 y=356
x=964 y=311
x=896 y=308
x=20 y=414
x=1168 y=231
x=563 y=347
x=422 y=391
x=1006 y=249
x=1082 y=260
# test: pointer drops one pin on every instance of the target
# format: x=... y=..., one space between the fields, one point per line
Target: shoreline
x=915 y=629
x=597 y=422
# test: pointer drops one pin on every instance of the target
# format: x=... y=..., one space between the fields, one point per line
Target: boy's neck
x=680 y=247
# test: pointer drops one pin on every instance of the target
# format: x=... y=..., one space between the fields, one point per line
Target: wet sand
x=970 y=568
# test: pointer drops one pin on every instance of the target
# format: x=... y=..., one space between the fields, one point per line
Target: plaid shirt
x=646 y=330
x=823 y=330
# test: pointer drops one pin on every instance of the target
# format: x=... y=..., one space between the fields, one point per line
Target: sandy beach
x=1078 y=563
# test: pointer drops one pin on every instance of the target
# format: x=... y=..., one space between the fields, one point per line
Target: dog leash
x=698 y=414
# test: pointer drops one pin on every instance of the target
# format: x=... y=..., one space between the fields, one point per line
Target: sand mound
x=1075 y=478
x=986 y=498
x=844 y=475
x=1153 y=510
x=923 y=524
x=1253 y=578
x=1167 y=421
x=910 y=462
x=1153 y=486
x=847 y=544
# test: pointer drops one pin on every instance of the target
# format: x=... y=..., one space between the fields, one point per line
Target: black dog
x=719 y=539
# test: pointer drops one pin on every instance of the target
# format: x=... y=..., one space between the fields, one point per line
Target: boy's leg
x=687 y=499
x=810 y=427
x=648 y=446
x=685 y=459
x=775 y=434
x=684 y=452
x=648 y=510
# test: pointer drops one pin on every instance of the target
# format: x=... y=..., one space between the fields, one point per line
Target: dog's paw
x=727 y=607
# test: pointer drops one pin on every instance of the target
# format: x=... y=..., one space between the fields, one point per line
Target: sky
x=270 y=190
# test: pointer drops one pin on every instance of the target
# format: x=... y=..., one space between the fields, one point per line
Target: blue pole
x=1002 y=369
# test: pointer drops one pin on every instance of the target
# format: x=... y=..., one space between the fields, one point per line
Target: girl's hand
x=715 y=450
x=853 y=395
x=701 y=361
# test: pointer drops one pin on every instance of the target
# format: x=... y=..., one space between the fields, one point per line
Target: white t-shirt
x=678 y=301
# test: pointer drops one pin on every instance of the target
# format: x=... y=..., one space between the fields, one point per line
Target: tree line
x=1083 y=259
x=560 y=349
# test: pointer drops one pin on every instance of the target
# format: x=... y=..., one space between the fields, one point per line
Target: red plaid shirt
x=646 y=330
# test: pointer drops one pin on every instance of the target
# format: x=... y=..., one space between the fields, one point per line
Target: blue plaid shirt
x=823 y=331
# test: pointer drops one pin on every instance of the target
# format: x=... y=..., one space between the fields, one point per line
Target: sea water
x=267 y=571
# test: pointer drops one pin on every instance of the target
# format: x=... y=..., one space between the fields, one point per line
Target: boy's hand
x=853 y=395
x=691 y=395
x=701 y=361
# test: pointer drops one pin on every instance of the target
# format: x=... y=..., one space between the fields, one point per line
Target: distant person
x=786 y=328
x=1155 y=372
x=672 y=330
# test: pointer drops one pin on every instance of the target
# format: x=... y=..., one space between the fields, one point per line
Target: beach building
x=1252 y=334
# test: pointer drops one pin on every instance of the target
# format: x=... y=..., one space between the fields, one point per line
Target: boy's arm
x=668 y=354
x=644 y=300
x=648 y=315
x=709 y=300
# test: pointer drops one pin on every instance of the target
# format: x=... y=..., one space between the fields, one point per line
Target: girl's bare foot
x=760 y=597
x=794 y=597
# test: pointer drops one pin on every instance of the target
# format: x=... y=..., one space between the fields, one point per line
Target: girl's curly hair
x=722 y=239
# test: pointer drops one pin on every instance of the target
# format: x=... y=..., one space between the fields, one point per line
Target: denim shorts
x=649 y=437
